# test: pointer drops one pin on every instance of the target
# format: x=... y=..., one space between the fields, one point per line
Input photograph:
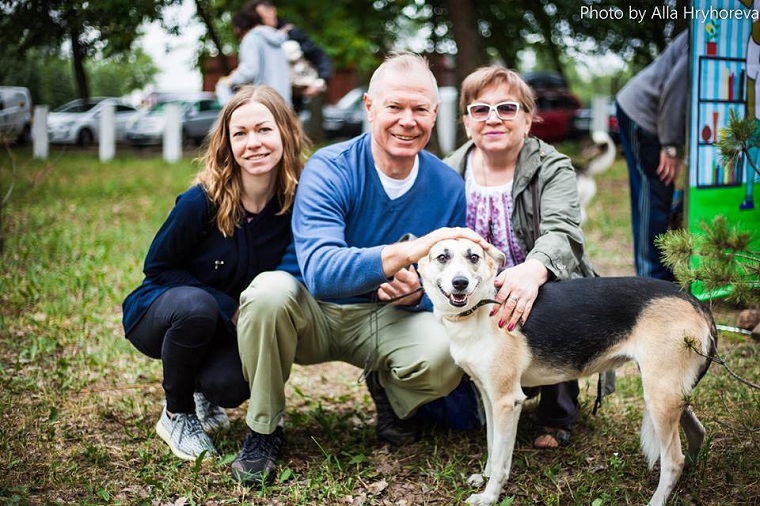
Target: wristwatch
x=670 y=151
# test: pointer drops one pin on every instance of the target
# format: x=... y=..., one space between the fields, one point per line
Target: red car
x=555 y=114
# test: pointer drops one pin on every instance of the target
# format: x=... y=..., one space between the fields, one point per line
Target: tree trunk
x=78 y=57
x=545 y=23
x=203 y=12
x=470 y=51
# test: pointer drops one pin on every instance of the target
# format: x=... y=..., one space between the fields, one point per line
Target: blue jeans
x=651 y=199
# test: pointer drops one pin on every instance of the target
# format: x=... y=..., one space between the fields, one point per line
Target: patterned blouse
x=488 y=213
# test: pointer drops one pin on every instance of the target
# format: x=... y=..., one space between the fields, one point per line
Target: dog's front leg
x=476 y=479
x=506 y=414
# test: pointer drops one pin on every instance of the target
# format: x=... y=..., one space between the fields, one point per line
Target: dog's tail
x=606 y=156
x=649 y=443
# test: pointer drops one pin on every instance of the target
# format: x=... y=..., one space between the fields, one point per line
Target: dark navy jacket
x=189 y=250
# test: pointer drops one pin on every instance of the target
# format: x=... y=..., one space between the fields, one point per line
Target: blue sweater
x=343 y=218
x=189 y=250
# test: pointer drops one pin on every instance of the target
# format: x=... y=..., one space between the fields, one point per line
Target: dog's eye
x=442 y=258
x=474 y=258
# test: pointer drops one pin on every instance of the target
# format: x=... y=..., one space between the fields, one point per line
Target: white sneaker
x=211 y=416
x=184 y=435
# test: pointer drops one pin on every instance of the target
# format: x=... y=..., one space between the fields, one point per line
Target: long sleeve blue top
x=189 y=250
x=343 y=218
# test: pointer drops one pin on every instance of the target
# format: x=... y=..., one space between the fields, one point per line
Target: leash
x=375 y=330
x=476 y=306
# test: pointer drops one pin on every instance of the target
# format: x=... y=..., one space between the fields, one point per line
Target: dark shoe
x=549 y=438
x=257 y=461
x=390 y=428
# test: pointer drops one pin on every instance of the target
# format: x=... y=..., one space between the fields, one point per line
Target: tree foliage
x=357 y=33
x=87 y=28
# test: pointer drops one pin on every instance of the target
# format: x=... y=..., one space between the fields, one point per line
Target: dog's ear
x=496 y=256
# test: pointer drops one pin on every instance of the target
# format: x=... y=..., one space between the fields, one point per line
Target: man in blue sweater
x=360 y=299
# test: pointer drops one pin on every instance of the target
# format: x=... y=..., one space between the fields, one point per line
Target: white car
x=78 y=121
x=197 y=116
x=15 y=114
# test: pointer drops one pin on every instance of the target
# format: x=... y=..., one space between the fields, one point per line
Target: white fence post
x=107 y=137
x=40 y=139
x=600 y=116
x=447 y=119
x=172 y=133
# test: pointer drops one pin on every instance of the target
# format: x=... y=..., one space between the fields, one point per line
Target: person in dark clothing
x=651 y=113
x=266 y=10
x=230 y=225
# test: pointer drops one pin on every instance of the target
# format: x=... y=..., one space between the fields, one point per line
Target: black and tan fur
x=576 y=328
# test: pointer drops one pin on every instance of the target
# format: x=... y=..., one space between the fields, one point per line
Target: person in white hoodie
x=261 y=59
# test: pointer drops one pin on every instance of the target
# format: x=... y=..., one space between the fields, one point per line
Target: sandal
x=549 y=438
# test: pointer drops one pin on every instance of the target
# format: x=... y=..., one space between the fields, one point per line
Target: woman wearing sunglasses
x=522 y=197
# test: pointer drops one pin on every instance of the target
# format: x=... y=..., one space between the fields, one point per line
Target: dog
x=576 y=328
x=596 y=157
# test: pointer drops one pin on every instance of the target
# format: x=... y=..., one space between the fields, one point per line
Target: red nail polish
x=511 y=327
x=501 y=323
x=493 y=311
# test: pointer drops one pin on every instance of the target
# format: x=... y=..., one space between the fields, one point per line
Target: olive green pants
x=280 y=324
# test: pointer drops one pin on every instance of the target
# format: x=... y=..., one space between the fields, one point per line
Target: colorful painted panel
x=725 y=47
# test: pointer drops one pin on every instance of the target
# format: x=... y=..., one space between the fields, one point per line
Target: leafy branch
x=691 y=344
x=720 y=259
x=736 y=139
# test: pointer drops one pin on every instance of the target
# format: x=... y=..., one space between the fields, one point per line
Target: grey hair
x=403 y=61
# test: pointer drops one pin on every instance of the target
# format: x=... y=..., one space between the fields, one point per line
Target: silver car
x=78 y=121
x=15 y=114
x=197 y=116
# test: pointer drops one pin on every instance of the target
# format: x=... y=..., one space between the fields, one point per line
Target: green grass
x=78 y=403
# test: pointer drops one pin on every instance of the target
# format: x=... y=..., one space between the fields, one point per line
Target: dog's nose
x=460 y=282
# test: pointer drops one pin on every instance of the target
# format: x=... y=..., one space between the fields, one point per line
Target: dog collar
x=476 y=306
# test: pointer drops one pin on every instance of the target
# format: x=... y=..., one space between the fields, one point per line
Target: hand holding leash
x=404 y=282
x=518 y=288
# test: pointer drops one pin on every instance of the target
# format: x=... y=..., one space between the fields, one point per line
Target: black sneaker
x=257 y=461
x=390 y=427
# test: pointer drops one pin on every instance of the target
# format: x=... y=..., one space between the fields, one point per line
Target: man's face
x=402 y=116
x=268 y=14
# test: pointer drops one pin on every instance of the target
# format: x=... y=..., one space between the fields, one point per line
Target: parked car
x=78 y=121
x=346 y=117
x=583 y=119
x=556 y=111
x=556 y=106
x=15 y=114
x=545 y=80
x=197 y=116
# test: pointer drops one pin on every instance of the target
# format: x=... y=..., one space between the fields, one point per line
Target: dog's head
x=457 y=274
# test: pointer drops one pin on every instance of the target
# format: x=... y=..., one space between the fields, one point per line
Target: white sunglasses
x=504 y=110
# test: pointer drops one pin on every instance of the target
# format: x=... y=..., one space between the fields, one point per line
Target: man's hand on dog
x=518 y=288
x=404 y=281
x=398 y=255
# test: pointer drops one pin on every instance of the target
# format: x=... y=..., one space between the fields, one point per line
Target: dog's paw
x=481 y=499
x=475 y=480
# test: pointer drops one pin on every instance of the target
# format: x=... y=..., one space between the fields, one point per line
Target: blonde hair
x=493 y=75
x=404 y=62
x=221 y=176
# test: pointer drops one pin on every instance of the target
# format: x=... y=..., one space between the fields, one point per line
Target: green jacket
x=560 y=245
